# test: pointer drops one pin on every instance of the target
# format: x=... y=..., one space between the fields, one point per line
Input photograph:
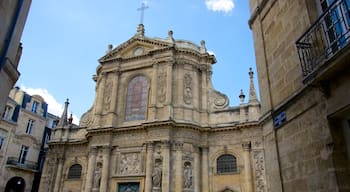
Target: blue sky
x=63 y=40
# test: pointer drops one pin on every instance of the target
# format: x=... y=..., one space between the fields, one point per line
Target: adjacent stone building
x=22 y=129
x=302 y=57
x=158 y=125
x=13 y=15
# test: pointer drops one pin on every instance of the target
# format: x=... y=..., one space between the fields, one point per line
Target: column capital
x=166 y=143
x=205 y=148
x=246 y=145
x=177 y=146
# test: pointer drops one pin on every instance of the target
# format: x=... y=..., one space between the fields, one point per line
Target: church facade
x=158 y=125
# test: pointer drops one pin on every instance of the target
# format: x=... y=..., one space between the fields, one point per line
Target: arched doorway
x=15 y=184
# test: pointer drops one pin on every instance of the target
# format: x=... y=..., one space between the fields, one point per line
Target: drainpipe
x=10 y=34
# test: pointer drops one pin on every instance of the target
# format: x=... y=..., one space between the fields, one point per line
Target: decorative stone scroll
x=259 y=166
x=188 y=95
x=130 y=164
x=219 y=100
x=161 y=88
x=86 y=119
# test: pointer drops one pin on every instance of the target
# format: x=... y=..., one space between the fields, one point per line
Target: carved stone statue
x=157 y=175
x=188 y=176
x=97 y=176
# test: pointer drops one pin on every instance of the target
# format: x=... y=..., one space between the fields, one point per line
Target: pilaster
x=149 y=165
x=247 y=166
x=166 y=166
x=105 y=168
x=91 y=169
x=205 y=169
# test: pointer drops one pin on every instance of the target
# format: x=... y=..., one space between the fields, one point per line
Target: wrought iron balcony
x=325 y=38
x=25 y=165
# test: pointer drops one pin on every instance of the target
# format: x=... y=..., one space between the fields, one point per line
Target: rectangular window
x=2 y=141
x=23 y=153
x=35 y=106
x=7 y=113
x=30 y=126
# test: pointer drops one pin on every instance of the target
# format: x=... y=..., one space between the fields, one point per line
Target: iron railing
x=326 y=37
x=25 y=165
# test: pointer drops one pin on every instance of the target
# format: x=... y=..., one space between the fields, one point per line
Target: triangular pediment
x=134 y=47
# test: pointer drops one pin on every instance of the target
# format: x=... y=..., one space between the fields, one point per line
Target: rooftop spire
x=64 y=117
x=252 y=94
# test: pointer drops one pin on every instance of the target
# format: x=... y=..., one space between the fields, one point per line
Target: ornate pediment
x=135 y=47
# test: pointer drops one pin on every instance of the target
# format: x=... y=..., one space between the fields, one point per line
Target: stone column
x=166 y=166
x=91 y=169
x=196 y=169
x=149 y=167
x=178 y=167
x=247 y=166
x=105 y=169
x=58 y=175
x=205 y=169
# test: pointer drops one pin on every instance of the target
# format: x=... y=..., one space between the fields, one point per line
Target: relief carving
x=188 y=89
x=162 y=86
x=107 y=94
x=259 y=166
x=130 y=164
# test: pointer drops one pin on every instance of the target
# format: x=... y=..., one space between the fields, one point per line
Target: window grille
x=74 y=172
x=226 y=164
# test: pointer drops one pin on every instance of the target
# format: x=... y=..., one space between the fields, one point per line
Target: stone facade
x=157 y=125
x=13 y=15
x=304 y=86
x=21 y=135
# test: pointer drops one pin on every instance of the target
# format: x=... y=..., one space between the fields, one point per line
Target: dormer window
x=35 y=106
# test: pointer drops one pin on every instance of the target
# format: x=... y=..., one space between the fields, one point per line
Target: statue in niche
x=157 y=174
x=188 y=175
x=188 y=89
x=97 y=176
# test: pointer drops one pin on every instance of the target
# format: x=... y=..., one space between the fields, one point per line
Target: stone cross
x=142 y=9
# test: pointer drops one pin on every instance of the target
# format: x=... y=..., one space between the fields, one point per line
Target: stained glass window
x=136 y=99
x=226 y=164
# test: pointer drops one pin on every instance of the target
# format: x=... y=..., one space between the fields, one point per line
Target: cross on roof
x=142 y=9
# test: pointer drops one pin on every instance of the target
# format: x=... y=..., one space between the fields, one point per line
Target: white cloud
x=54 y=107
x=220 y=5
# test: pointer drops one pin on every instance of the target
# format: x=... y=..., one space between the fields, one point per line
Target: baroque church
x=158 y=125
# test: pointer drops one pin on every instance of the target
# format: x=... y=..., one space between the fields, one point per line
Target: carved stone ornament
x=161 y=91
x=259 y=166
x=188 y=95
x=130 y=164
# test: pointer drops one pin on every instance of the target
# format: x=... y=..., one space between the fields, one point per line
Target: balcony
x=27 y=165
x=325 y=40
